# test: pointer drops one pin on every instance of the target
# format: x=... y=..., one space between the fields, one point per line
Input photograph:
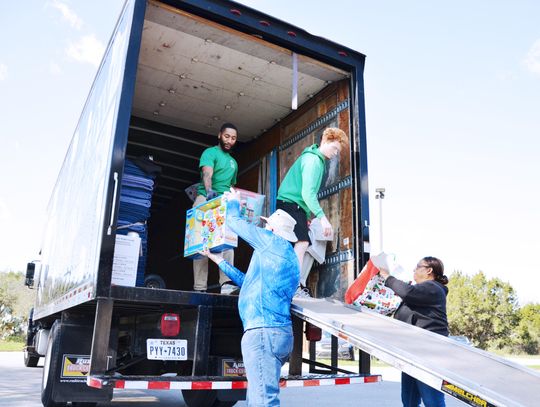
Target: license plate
x=166 y=349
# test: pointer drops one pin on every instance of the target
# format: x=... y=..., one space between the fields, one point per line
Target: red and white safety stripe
x=336 y=381
x=225 y=385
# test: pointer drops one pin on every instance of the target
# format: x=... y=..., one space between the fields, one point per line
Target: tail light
x=170 y=324
x=313 y=333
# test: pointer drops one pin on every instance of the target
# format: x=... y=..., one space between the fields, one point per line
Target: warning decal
x=463 y=395
x=75 y=366
x=233 y=367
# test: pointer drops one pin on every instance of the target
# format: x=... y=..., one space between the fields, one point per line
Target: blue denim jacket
x=272 y=277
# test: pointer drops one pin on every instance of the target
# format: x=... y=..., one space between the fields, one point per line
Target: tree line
x=485 y=310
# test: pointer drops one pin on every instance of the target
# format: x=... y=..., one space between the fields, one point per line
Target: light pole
x=380 y=196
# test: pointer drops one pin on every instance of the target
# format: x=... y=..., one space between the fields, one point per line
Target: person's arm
x=310 y=189
x=207 y=173
x=206 y=165
x=232 y=272
x=310 y=183
x=419 y=294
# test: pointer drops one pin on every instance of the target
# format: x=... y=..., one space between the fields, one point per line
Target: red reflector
x=239 y=385
x=265 y=23
x=95 y=383
x=170 y=324
x=159 y=385
x=311 y=383
x=235 y=12
x=313 y=333
x=201 y=386
x=291 y=33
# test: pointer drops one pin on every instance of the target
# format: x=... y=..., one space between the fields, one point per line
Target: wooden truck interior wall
x=192 y=76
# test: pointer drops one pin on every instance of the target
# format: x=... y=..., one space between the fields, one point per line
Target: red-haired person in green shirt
x=297 y=194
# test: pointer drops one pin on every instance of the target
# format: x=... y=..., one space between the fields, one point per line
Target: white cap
x=283 y=225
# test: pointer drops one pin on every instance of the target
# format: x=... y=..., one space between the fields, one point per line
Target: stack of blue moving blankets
x=135 y=202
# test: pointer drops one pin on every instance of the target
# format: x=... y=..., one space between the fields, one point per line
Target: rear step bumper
x=221 y=383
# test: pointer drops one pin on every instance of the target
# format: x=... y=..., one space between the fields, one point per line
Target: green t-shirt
x=303 y=180
x=225 y=169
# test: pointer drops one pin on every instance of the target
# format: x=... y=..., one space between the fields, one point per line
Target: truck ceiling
x=196 y=74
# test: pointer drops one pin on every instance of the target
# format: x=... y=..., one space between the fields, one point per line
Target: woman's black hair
x=438 y=269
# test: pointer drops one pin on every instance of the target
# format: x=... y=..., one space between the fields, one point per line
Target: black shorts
x=299 y=215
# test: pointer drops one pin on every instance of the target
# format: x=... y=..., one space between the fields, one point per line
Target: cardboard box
x=206 y=224
x=206 y=228
x=251 y=206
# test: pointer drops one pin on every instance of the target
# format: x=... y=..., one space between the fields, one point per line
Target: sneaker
x=302 y=292
x=229 y=288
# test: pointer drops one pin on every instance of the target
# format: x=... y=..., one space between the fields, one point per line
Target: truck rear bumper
x=221 y=383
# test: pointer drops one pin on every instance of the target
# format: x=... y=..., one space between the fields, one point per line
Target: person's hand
x=327 y=227
x=211 y=194
x=232 y=195
x=216 y=258
x=384 y=273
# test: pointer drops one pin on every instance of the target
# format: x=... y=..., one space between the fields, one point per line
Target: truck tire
x=154 y=281
x=83 y=404
x=204 y=398
x=29 y=359
x=50 y=367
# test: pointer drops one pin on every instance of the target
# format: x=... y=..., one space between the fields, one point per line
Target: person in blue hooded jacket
x=264 y=303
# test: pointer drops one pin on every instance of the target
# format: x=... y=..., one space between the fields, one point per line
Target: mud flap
x=73 y=362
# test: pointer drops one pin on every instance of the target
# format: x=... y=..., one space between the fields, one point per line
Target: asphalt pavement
x=20 y=387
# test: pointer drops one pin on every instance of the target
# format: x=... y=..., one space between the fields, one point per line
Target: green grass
x=11 y=346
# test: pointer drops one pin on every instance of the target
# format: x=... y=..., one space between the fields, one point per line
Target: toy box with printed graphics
x=206 y=224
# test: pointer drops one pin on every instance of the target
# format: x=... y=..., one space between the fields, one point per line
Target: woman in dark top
x=424 y=305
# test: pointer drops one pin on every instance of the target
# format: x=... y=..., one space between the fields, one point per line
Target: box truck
x=172 y=73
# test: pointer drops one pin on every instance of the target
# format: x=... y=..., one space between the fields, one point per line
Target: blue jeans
x=413 y=390
x=264 y=351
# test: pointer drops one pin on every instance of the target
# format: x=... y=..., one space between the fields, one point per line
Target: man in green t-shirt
x=297 y=194
x=218 y=174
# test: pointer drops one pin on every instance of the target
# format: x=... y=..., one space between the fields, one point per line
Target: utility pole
x=380 y=196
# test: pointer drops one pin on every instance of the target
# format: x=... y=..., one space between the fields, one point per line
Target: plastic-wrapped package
x=369 y=291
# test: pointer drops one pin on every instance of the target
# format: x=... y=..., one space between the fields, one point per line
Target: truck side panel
x=77 y=209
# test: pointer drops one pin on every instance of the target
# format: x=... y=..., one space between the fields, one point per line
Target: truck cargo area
x=192 y=76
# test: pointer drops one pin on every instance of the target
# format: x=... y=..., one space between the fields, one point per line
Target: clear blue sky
x=453 y=120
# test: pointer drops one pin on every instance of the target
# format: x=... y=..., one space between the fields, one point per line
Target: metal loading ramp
x=464 y=372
